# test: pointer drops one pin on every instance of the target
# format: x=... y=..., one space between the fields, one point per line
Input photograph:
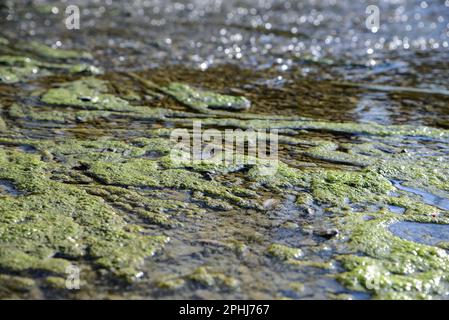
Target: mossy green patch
x=391 y=267
x=87 y=93
x=15 y=69
x=39 y=114
x=284 y=252
x=204 y=101
x=52 y=220
x=340 y=187
x=58 y=54
x=203 y=276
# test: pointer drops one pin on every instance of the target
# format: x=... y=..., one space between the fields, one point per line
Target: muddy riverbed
x=357 y=204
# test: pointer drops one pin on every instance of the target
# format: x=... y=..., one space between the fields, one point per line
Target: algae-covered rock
x=204 y=101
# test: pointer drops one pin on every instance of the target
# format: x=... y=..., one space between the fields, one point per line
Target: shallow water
x=7 y=187
x=426 y=233
x=427 y=197
x=313 y=59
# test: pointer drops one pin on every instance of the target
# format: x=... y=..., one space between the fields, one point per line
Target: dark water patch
x=27 y=148
x=425 y=233
x=154 y=154
x=396 y=209
x=8 y=188
x=427 y=197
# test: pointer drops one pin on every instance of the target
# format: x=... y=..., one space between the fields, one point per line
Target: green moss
x=283 y=252
x=203 y=101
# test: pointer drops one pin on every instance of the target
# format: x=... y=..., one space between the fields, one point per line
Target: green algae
x=148 y=173
x=16 y=69
x=2 y=122
x=94 y=188
x=171 y=284
x=328 y=151
x=391 y=267
x=56 y=282
x=203 y=101
x=339 y=187
x=12 y=287
x=333 y=127
x=38 y=114
x=207 y=277
x=202 y=276
x=284 y=252
x=88 y=93
x=52 y=219
x=57 y=54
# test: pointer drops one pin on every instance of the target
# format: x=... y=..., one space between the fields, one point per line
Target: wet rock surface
x=357 y=205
